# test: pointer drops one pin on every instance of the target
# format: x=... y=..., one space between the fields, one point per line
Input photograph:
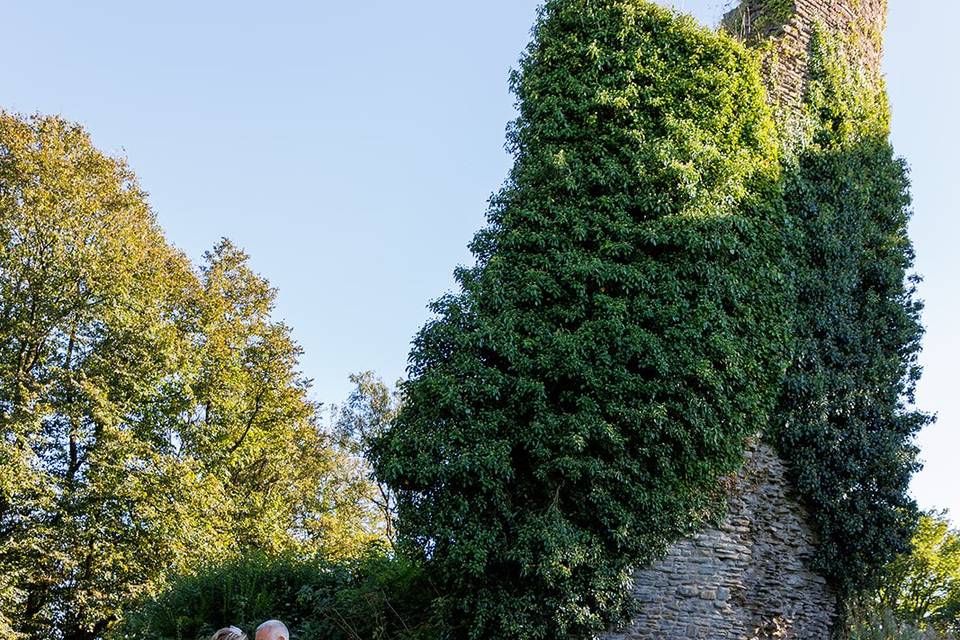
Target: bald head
x=272 y=630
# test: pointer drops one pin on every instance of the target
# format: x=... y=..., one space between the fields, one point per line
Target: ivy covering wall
x=663 y=275
x=571 y=411
x=846 y=423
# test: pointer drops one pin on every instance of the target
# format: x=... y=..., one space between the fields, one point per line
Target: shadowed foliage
x=571 y=411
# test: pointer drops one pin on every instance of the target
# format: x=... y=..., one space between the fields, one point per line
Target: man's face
x=271 y=633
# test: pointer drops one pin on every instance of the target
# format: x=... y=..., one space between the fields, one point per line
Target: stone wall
x=788 y=26
x=748 y=579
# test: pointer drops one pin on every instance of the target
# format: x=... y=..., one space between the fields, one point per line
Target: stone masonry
x=748 y=579
x=861 y=22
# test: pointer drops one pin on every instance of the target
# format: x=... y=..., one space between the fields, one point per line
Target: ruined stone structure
x=788 y=26
x=751 y=578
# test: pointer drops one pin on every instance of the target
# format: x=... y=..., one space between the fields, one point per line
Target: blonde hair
x=229 y=633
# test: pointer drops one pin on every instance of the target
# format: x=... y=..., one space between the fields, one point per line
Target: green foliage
x=150 y=417
x=884 y=625
x=923 y=586
x=754 y=20
x=845 y=105
x=845 y=425
x=368 y=413
x=242 y=592
x=285 y=486
x=571 y=410
x=658 y=281
x=379 y=597
x=88 y=334
x=374 y=597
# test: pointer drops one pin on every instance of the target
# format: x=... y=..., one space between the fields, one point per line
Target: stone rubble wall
x=748 y=579
x=862 y=23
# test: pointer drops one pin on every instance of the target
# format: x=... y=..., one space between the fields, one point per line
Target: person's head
x=272 y=630
x=229 y=633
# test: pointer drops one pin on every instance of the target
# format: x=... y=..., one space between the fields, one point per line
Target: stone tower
x=751 y=577
x=789 y=26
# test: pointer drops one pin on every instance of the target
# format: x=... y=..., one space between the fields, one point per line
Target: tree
x=91 y=326
x=923 y=586
x=571 y=411
x=368 y=413
x=287 y=487
x=150 y=418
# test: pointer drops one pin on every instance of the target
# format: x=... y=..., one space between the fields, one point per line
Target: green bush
x=884 y=625
x=376 y=597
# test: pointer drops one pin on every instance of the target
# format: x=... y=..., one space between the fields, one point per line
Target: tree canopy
x=923 y=585
x=151 y=416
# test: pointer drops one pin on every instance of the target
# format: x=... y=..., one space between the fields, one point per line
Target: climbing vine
x=754 y=21
x=663 y=275
x=572 y=409
x=846 y=422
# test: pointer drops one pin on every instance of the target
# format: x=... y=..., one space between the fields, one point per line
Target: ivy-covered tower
x=692 y=290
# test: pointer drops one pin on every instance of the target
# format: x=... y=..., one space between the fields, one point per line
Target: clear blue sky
x=350 y=148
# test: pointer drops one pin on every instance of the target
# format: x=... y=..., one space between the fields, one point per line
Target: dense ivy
x=663 y=276
x=845 y=421
x=571 y=411
x=754 y=20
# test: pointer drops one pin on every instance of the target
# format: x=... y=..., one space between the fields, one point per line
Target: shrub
x=375 y=597
x=884 y=625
